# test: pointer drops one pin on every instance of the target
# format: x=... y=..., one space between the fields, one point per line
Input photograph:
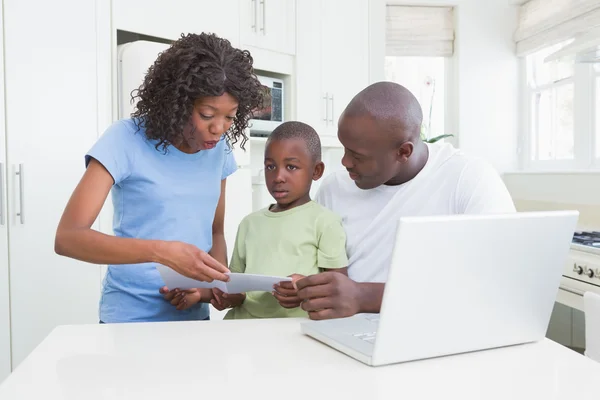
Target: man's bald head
x=381 y=134
x=393 y=106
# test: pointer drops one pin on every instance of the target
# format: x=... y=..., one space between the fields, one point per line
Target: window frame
x=595 y=134
x=584 y=120
x=450 y=94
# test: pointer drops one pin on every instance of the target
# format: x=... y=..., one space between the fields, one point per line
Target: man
x=391 y=173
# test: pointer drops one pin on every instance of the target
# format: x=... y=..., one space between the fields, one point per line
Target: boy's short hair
x=299 y=130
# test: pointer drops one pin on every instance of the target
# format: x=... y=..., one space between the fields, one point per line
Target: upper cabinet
x=332 y=59
x=269 y=24
x=169 y=20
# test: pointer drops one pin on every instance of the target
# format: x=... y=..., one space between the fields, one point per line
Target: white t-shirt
x=450 y=183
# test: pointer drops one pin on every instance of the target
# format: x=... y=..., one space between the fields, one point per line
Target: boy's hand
x=181 y=299
x=286 y=293
x=221 y=300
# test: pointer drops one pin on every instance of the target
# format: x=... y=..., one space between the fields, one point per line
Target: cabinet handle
x=2 y=219
x=253 y=26
x=326 y=98
x=20 y=174
x=332 y=112
x=264 y=16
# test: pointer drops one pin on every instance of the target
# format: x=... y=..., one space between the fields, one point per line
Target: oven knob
x=578 y=269
x=590 y=273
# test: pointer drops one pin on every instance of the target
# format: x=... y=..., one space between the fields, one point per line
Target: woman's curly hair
x=195 y=66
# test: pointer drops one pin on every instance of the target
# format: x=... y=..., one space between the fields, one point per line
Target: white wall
x=485 y=72
x=558 y=191
x=488 y=81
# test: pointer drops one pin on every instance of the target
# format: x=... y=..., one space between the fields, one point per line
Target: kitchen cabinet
x=51 y=88
x=332 y=63
x=168 y=20
x=5 y=357
x=269 y=24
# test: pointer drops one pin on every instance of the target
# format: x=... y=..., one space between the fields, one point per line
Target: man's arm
x=371 y=297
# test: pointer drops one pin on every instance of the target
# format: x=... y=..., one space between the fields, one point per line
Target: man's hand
x=329 y=295
x=221 y=300
x=286 y=293
x=181 y=299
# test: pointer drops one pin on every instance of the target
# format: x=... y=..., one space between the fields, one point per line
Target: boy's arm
x=331 y=252
x=331 y=255
x=238 y=256
x=343 y=271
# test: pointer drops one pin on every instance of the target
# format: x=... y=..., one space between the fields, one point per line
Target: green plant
x=425 y=128
x=436 y=138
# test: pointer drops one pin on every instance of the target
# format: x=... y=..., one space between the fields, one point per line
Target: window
x=551 y=93
x=563 y=112
x=425 y=77
x=597 y=114
x=419 y=47
x=561 y=97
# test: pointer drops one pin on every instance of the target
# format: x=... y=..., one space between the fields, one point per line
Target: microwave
x=271 y=113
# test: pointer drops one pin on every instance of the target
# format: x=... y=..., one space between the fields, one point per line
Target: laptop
x=457 y=284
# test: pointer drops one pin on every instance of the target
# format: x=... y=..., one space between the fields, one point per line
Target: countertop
x=258 y=359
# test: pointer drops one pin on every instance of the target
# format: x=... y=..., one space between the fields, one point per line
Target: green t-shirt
x=303 y=240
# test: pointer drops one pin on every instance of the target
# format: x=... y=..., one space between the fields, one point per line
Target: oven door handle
x=571 y=290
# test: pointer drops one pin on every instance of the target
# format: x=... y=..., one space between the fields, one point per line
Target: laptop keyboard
x=367 y=337
x=373 y=318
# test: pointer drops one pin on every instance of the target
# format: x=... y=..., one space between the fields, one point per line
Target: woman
x=167 y=167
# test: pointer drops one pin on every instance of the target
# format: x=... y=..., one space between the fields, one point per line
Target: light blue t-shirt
x=157 y=196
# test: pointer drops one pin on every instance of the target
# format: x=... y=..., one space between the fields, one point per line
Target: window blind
x=419 y=31
x=547 y=22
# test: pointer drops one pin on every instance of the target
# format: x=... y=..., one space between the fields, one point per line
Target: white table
x=272 y=359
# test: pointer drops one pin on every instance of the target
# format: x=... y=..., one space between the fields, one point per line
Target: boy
x=295 y=236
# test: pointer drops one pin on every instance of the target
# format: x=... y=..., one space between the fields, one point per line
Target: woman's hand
x=190 y=261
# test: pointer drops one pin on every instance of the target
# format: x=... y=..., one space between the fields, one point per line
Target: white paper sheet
x=238 y=283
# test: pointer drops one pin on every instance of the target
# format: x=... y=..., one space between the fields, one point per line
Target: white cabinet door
x=278 y=25
x=249 y=22
x=345 y=52
x=169 y=20
x=269 y=24
x=332 y=59
x=4 y=288
x=311 y=97
x=51 y=111
x=238 y=204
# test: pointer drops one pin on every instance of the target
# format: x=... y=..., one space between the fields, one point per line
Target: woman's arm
x=219 y=247
x=75 y=238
